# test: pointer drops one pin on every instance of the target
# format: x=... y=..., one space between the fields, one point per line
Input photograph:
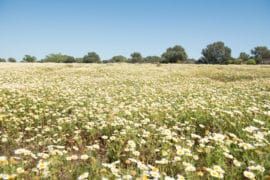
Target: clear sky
x=113 y=27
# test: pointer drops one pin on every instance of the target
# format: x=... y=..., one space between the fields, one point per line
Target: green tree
x=118 y=58
x=12 y=60
x=2 y=60
x=260 y=53
x=59 y=58
x=152 y=59
x=79 y=60
x=175 y=54
x=69 y=59
x=29 y=58
x=91 y=57
x=244 y=56
x=136 y=57
x=216 y=53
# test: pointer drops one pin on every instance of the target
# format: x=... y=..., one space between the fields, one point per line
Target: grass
x=128 y=121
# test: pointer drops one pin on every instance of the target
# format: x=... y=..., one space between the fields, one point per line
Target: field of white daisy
x=134 y=121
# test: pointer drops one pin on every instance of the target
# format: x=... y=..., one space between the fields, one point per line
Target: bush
x=230 y=61
x=238 y=61
x=251 y=61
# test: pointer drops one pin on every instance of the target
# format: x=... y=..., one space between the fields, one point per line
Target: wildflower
x=75 y=148
x=74 y=157
x=227 y=155
x=258 y=121
x=84 y=157
x=246 y=146
x=257 y=168
x=189 y=167
x=104 y=137
x=162 y=161
x=250 y=129
x=4 y=140
x=3 y=160
x=236 y=163
x=42 y=165
x=218 y=169
x=20 y=170
x=177 y=158
x=168 y=178
x=131 y=144
x=180 y=177
x=83 y=176
x=249 y=175
x=127 y=177
x=155 y=174
x=218 y=137
x=136 y=153
x=200 y=173
x=22 y=151
x=216 y=174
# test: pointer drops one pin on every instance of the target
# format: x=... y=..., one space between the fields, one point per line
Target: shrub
x=230 y=61
x=238 y=61
x=251 y=61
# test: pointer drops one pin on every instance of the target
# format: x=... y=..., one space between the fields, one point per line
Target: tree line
x=215 y=53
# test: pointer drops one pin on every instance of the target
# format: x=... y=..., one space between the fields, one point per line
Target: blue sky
x=113 y=27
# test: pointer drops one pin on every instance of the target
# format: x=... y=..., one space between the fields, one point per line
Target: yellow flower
x=200 y=173
x=103 y=170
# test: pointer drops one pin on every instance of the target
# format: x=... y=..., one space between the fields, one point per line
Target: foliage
x=190 y=61
x=29 y=58
x=244 y=56
x=152 y=59
x=91 y=57
x=238 y=61
x=136 y=57
x=12 y=60
x=251 y=61
x=59 y=58
x=260 y=53
x=2 y=60
x=117 y=59
x=216 y=53
x=174 y=54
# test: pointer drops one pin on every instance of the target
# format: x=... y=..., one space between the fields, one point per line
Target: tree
x=216 y=53
x=260 y=53
x=2 y=60
x=136 y=57
x=175 y=54
x=118 y=58
x=152 y=59
x=28 y=58
x=69 y=59
x=59 y=58
x=79 y=60
x=244 y=56
x=12 y=60
x=91 y=57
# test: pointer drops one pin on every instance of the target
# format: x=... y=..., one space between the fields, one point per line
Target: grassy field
x=77 y=121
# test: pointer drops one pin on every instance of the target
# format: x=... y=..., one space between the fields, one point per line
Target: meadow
x=134 y=121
